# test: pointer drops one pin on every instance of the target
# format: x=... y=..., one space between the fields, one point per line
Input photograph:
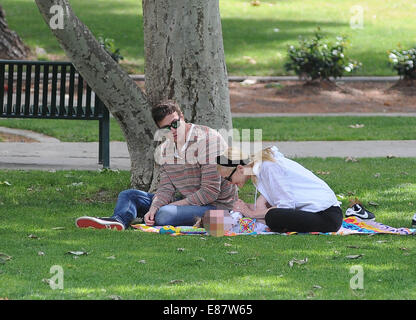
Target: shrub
x=404 y=62
x=319 y=59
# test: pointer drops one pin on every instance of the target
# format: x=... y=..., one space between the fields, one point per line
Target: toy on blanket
x=190 y=230
x=247 y=225
x=168 y=230
x=216 y=222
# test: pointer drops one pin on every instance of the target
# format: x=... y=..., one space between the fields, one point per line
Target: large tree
x=184 y=61
x=11 y=46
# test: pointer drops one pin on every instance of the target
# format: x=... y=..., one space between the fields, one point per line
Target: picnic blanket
x=350 y=226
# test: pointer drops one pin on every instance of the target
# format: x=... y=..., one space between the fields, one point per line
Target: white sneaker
x=98 y=223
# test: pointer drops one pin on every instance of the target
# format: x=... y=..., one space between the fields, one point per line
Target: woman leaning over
x=292 y=198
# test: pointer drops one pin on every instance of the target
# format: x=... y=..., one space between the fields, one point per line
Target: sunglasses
x=175 y=124
x=230 y=176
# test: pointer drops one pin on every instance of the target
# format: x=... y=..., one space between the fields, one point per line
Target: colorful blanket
x=350 y=225
x=354 y=225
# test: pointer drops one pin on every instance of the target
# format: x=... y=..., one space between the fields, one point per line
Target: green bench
x=52 y=90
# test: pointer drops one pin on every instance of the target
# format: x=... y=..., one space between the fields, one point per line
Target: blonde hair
x=236 y=154
x=263 y=155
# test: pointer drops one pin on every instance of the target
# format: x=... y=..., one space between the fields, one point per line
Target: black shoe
x=414 y=221
x=358 y=210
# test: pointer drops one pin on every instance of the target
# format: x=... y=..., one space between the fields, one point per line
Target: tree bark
x=185 y=59
x=11 y=46
x=113 y=85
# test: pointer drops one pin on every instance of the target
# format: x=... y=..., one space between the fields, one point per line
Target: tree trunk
x=185 y=59
x=113 y=85
x=11 y=46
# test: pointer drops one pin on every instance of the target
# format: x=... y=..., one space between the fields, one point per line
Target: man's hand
x=149 y=217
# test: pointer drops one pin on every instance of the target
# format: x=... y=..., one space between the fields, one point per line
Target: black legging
x=289 y=220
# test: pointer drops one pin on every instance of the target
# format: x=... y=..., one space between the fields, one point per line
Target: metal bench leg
x=100 y=142
x=104 y=140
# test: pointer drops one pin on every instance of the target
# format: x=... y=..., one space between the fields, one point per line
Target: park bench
x=52 y=90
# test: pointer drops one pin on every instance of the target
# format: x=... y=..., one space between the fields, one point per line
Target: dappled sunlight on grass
x=137 y=265
x=404 y=191
x=265 y=287
x=383 y=269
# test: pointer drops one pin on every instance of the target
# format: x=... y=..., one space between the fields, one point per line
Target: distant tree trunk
x=11 y=46
x=184 y=61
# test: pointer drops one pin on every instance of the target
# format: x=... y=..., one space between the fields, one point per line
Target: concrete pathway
x=84 y=156
x=60 y=156
x=51 y=154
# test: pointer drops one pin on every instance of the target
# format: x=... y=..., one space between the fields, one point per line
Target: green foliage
x=319 y=59
x=404 y=62
x=109 y=45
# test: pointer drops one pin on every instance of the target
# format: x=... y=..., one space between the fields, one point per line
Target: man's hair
x=165 y=108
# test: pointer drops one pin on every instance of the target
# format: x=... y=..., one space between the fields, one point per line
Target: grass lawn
x=330 y=128
x=33 y=203
x=260 y=32
x=273 y=128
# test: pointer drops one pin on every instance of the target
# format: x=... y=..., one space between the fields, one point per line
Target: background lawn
x=273 y=128
x=36 y=202
x=260 y=32
x=38 y=209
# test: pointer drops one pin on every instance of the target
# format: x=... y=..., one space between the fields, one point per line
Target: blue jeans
x=133 y=204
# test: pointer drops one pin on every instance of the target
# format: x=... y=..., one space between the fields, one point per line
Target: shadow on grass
x=255 y=267
x=117 y=20
x=252 y=33
x=206 y=270
x=124 y=23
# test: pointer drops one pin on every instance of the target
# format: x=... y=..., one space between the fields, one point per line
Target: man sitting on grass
x=187 y=166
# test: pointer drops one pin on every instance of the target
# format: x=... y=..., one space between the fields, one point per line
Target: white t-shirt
x=287 y=184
